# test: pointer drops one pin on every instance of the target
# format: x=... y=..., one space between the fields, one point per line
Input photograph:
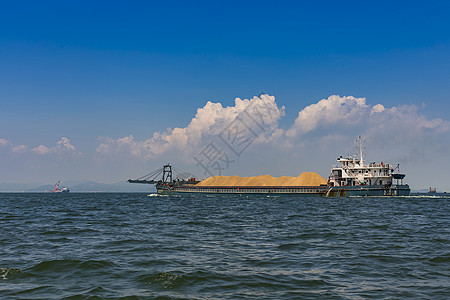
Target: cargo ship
x=351 y=177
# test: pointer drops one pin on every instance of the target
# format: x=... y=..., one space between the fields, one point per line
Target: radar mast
x=361 y=159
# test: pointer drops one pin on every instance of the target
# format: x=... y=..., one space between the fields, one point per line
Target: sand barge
x=351 y=177
x=304 y=179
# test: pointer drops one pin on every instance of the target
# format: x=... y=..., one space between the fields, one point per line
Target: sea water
x=139 y=246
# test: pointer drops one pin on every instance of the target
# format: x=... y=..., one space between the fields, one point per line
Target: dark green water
x=134 y=246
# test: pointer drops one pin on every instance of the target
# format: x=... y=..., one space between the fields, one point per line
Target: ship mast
x=361 y=160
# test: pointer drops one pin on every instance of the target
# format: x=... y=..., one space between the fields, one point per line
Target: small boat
x=432 y=191
x=59 y=189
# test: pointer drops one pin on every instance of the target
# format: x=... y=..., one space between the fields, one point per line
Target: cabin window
x=337 y=173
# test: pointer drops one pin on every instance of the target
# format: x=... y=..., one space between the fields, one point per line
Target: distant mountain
x=17 y=187
x=123 y=186
x=41 y=188
x=79 y=186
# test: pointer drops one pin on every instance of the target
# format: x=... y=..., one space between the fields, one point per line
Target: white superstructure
x=352 y=171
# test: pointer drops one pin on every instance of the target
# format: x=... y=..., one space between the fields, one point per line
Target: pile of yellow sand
x=304 y=179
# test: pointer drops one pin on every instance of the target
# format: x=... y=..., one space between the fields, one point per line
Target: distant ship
x=432 y=191
x=350 y=178
x=58 y=189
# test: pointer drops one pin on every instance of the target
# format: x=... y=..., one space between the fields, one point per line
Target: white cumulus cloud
x=19 y=148
x=41 y=149
x=377 y=108
x=62 y=146
x=347 y=114
x=209 y=121
x=335 y=109
x=4 y=142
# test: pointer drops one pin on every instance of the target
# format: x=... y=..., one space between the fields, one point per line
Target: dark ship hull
x=317 y=191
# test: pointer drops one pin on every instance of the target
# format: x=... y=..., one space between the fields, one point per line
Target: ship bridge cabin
x=352 y=171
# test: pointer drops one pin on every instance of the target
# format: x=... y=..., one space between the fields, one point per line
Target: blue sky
x=100 y=71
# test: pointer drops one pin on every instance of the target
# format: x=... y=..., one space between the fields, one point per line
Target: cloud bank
x=61 y=147
x=209 y=121
x=329 y=119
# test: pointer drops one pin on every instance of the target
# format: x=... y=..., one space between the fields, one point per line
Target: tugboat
x=58 y=189
x=350 y=178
